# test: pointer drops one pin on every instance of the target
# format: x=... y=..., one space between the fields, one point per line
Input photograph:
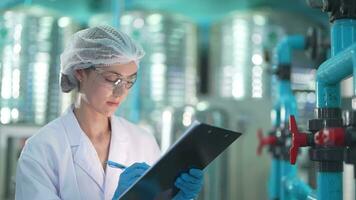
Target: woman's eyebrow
x=132 y=75
x=129 y=76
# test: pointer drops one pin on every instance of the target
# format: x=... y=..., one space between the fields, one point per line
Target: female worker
x=67 y=158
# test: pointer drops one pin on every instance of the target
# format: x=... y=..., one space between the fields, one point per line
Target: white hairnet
x=101 y=45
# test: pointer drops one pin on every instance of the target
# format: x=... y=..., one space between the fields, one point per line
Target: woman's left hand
x=189 y=184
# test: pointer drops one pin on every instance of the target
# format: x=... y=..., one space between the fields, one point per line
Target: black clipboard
x=199 y=145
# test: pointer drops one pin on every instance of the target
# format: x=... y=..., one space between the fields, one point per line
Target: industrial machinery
x=240 y=78
x=330 y=142
x=283 y=182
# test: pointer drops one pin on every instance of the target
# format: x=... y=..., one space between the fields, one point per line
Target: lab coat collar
x=83 y=152
x=119 y=149
x=85 y=156
x=73 y=130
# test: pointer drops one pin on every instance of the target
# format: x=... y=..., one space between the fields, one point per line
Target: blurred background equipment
x=32 y=38
x=207 y=60
x=168 y=73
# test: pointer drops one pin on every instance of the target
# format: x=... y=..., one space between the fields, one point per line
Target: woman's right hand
x=128 y=177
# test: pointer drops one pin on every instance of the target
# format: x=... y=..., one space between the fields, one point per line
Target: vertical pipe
x=329 y=186
x=353 y=107
x=115 y=6
x=354 y=76
x=289 y=172
x=288 y=107
x=274 y=180
x=343 y=34
x=135 y=100
x=286 y=103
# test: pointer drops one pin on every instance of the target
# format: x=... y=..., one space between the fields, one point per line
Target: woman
x=67 y=158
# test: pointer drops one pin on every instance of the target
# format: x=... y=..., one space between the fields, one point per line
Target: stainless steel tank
x=168 y=72
x=31 y=42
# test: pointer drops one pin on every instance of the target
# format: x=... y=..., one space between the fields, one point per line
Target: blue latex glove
x=189 y=184
x=128 y=177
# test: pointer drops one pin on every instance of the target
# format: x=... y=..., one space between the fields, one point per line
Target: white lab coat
x=60 y=162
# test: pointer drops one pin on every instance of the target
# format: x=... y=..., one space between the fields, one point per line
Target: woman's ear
x=79 y=74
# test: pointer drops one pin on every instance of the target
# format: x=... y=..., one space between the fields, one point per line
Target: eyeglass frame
x=121 y=79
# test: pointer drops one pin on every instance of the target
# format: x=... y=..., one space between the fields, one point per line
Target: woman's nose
x=118 y=91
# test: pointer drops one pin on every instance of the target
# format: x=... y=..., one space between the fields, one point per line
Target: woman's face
x=105 y=88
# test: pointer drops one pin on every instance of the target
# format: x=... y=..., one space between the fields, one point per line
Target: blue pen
x=115 y=164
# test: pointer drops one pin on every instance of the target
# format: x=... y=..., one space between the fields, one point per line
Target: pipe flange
x=330 y=166
x=340 y=9
x=327 y=154
x=352 y=118
x=283 y=71
x=350 y=155
x=317 y=124
x=316 y=47
x=322 y=113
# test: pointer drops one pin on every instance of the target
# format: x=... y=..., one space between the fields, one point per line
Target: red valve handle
x=263 y=141
x=298 y=139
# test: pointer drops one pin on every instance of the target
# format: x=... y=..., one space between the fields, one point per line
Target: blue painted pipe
x=339 y=66
x=276 y=115
x=285 y=105
x=286 y=46
x=299 y=189
x=295 y=187
x=274 y=180
x=329 y=75
x=329 y=185
x=115 y=5
x=288 y=172
x=288 y=106
x=134 y=100
x=287 y=102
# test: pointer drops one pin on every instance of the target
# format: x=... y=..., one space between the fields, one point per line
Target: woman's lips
x=112 y=103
